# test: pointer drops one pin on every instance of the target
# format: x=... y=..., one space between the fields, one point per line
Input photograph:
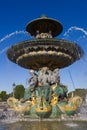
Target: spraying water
x=11 y=34
x=78 y=70
x=78 y=35
x=10 y=39
x=7 y=68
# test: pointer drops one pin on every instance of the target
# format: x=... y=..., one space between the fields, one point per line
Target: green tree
x=3 y=95
x=80 y=92
x=9 y=95
x=19 y=91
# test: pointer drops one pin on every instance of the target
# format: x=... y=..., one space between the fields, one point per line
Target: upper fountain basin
x=37 y=53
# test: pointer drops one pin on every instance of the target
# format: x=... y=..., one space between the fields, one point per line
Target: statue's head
x=56 y=70
x=40 y=84
x=31 y=71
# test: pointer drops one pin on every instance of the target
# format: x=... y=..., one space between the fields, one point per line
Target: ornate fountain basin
x=37 y=53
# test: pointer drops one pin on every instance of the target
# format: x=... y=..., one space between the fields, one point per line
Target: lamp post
x=13 y=88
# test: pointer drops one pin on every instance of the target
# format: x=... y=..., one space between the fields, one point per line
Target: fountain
x=44 y=55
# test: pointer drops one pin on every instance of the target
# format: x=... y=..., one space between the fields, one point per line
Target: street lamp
x=13 y=88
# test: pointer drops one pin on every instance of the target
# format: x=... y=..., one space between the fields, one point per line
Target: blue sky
x=14 y=16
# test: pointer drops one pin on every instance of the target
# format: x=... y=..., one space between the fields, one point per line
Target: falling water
x=19 y=75
x=78 y=69
x=78 y=35
x=7 y=68
x=4 y=44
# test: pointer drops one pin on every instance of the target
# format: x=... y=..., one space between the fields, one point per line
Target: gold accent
x=54 y=86
x=52 y=52
x=34 y=101
x=17 y=105
x=72 y=105
x=54 y=99
x=42 y=106
x=25 y=55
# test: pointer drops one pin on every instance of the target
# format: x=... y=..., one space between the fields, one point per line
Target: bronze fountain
x=44 y=55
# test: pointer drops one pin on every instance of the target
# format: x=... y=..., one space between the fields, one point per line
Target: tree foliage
x=80 y=92
x=3 y=95
x=9 y=95
x=19 y=91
